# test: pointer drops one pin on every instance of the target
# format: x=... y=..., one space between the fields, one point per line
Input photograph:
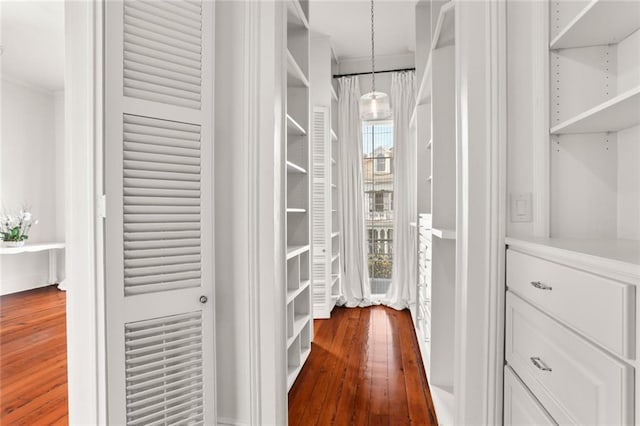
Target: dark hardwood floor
x=33 y=358
x=364 y=369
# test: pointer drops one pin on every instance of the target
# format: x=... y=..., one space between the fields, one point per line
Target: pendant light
x=374 y=105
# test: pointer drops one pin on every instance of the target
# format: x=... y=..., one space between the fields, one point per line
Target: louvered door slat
x=172 y=372
x=320 y=268
x=166 y=40
x=154 y=143
x=163 y=18
x=149 y=262
x=174 y=17
x=159 y=226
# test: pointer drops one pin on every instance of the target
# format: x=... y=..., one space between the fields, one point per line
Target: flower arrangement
x=14 y=228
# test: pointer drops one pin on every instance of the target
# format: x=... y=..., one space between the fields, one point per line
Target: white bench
x=52 y=248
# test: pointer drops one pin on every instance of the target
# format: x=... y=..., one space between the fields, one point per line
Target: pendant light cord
x=373 y=57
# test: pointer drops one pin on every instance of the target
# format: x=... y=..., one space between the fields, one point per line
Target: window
x=379 y=201
x=378 y=186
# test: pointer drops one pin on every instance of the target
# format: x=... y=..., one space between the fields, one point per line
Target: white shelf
x=334 y=95
x=333 y=160
x=424 y=92
x=292 y=294
x=444 y=34
x=600 y=22
x=334 y=186
x=413 y=224
x=334 y=279
x=294 y=168
x=335 y=234
x=333 y=135
x=429 y=144
x=31 y=247
x=294 y=128
x=444 y=234
x=295 y=210
x=299 y=321
x=335 y=257
x=430 y=178
x=295 y=14
x=295 y=75
x=293 y=251
x=618 y=113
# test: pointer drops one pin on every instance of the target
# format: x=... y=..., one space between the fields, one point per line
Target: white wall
x=520 y=136
x=30 y=174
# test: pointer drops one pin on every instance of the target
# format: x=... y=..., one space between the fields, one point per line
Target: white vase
x=13 y=243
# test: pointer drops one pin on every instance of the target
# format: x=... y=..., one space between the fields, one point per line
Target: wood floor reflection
x=364 y=369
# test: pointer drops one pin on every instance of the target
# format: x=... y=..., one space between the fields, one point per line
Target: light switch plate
x=520 y=207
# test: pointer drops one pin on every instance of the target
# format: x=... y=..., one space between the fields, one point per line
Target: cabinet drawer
x=575 y=381
x=520 y=406
x=601 y=309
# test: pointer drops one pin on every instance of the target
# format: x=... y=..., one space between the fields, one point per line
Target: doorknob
x=203 y=299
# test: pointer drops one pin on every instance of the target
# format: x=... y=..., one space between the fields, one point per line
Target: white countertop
x=31 y=247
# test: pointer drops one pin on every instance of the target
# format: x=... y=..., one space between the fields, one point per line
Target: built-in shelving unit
x=592 y=25
x=325 y=228
x=594 y=110
x=299 y=313
x=585 y=221
x=434 y=122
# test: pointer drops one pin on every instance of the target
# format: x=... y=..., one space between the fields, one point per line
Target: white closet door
x=159 y=222
x=321 y=179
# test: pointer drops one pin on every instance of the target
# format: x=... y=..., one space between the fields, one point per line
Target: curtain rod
x=369 y=72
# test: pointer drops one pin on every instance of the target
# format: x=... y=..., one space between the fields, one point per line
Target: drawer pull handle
x=539 y=285
x=539 y=364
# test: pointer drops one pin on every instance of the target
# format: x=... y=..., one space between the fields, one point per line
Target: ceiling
x=348 y=23
x=32 y=36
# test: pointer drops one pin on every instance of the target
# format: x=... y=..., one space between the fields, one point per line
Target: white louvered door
x=321 y=214
x=159 y=223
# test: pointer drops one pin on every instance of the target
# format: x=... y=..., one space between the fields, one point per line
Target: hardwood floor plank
x=398 y=411
x=346 y=400
x=364 y=369
x=419 y=400
x=321 y=347
x=33 y=358
x=323 y=386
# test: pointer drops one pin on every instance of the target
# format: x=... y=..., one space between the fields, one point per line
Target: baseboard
x=223 y=421
x=24 y=283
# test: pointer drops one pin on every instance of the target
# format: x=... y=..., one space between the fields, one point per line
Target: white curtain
x=405 y=206
x=356 y=290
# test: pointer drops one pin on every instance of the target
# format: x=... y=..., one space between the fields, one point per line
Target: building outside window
x=378 y=188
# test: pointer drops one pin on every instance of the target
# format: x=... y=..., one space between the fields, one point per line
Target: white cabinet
x=600 y=308
x=299 y=318
x=423 y=294
x=520 y=406
x=570 y=332
x=576 y=382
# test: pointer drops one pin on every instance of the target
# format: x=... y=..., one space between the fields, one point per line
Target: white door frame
x=83 y=227
x=86 y=351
